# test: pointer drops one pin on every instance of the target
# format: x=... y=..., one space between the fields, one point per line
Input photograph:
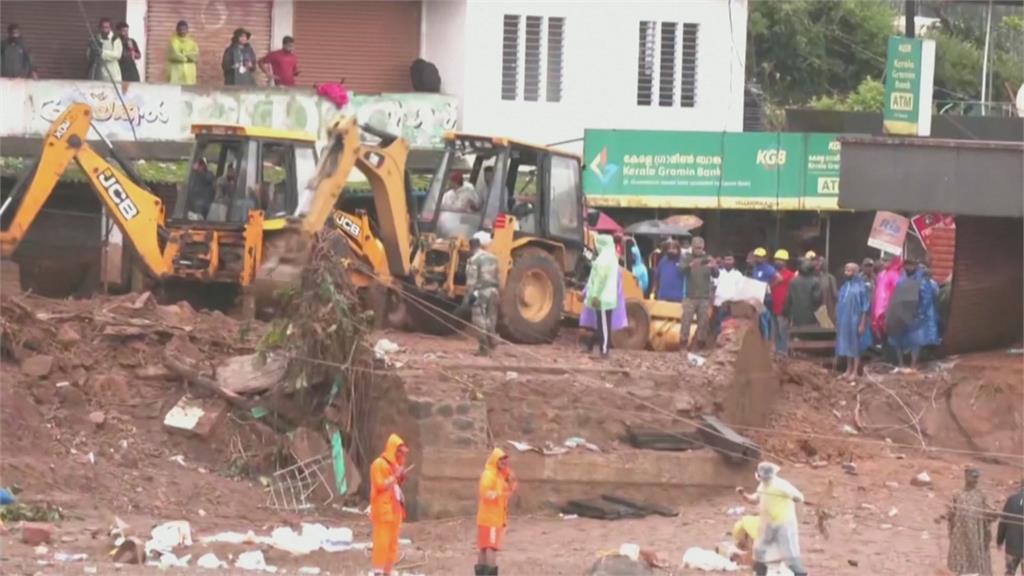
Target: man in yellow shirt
x=778 y=538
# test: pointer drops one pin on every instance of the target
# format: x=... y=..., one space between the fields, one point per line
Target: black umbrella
x=657 y=228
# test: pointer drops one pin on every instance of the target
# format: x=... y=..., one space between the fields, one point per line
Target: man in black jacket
x=1011 y=530
x=14 y=55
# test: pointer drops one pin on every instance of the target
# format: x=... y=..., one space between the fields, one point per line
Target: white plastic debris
x=179 y=459
x=707 y=561
x=383 y=349
x=309 y=570
x=211 y=562
x=696 y=359
x=253 y=560
x=921 y=480
x=893 y=512
x=521 y=446
x=169 y=560
x=736 y=511
x=169 y=535
x=40 y=550
x=297 y=544
x=631 y=551
x=849 y=430
x=568 y=516
x=336 y=540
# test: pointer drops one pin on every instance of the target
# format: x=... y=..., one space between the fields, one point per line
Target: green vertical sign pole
x=909 y=78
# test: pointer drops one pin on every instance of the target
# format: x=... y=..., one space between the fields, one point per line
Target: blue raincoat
x=853 y=308
x=924 y=329
x=639 y=270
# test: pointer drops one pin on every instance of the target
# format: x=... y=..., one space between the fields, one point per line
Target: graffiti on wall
x=157 y=112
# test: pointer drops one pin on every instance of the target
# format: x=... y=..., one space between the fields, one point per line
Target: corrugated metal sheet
x=211 y=23
x=987 y=301
x=962 y=177
x=942 y=251
x=56 y=33
x=369 y=44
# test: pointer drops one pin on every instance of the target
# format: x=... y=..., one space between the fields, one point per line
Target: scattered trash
x=90 y=570
x=885 y=526
x=867 y=506
x=179 y=459
x=521 y=446
x=92 y=458
x=818 y=464
x=510 y=375
x=850 y=468
x=707 y=561
x=1015 y=351
x=576 y=442
x=568 y=516
x=169 y=535
x=40 y=550
x=169 y=560
x=211 y=562
x=736 y=511
x=893 y=512
x=309 y=570
x=98 y=418
x=850 y=430
x=253 y=560
x=892 y=485
x=922 y=480
x=65 y=557
x=383 y=349
x=631 y=551
x=129 y=551
x=6 y=497
x=695 y=360
x=291 y=487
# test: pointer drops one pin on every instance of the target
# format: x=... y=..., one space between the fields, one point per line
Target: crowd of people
x=891 y=306
x=112 y=55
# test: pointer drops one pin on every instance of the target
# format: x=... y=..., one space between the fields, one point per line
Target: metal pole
x=984 y=62
x=909 y=12
x=828 y=239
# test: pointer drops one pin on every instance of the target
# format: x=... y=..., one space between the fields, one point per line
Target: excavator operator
x=200 y=190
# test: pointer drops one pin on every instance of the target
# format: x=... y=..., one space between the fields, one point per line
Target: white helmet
x=483 y=237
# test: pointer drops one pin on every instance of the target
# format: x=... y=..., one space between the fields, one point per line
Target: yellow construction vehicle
x=255 y=197
x=244 y=214
x=531 y=201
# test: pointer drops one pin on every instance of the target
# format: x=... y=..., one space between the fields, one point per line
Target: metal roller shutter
x=211 y=23
x=986 y=310
x=369 y=44
x=56 y=33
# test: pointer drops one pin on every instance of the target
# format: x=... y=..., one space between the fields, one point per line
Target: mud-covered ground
x=107 y=358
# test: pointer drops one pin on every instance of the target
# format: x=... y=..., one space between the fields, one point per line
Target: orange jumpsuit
x=492 y=511
x=387 y=505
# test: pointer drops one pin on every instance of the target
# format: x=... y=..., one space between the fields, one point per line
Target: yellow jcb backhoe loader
x=246 y=212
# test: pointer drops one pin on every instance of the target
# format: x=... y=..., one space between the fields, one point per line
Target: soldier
x=482 y=291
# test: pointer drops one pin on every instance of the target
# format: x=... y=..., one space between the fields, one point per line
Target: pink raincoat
x=885 y=284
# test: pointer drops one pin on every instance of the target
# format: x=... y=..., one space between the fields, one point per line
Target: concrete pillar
x=135 y=17
x=282 y=22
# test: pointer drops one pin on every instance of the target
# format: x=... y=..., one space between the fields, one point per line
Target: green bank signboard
x=909 y=76
x=753 y=170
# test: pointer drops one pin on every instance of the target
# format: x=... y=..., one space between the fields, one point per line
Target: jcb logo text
x=117 y=195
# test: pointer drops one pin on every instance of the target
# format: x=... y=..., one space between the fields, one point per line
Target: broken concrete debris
x=195 y=415
x=36 y=533
x=38 y=366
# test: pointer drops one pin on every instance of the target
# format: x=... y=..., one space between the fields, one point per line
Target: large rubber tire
x=533 y=298
x=635 y=335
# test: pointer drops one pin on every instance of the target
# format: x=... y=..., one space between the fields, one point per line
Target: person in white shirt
x=726 y=286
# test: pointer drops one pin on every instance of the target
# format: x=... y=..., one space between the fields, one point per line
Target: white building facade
x=545 y=71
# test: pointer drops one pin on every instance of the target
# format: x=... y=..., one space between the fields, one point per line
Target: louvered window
x=688 y=76
x=539 y=49
x=645 y=64
x=667 y=59
x=510 y=58
x=556 y=45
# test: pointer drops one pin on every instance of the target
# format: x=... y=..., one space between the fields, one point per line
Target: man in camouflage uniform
x=482 y=291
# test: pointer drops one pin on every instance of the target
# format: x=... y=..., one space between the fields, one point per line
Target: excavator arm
x=138 y=213
x=384 y=167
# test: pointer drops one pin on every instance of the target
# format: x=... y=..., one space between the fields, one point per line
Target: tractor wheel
x=635 y=335
x=533 y=297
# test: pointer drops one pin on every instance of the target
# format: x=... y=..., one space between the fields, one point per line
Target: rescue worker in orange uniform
x=387 y=503
x=497 y=484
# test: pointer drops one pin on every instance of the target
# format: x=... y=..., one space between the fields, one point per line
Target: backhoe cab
x=530 y=199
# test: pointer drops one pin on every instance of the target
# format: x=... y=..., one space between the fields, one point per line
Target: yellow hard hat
x=760 y=252
x=782 y=254
x=810 y=255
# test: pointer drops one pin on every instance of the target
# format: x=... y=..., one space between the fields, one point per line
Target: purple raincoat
x=588 y=319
